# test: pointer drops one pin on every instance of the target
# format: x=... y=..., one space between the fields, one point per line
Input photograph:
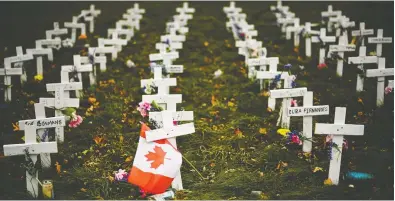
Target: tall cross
x=287 y=94
x=340 y=49
x=31 y=149
x=360 y=60
x=362 y=32
x=62 y=100
x=380 y=73
x=74 y=25
x=307 y=111
x=338 y=130
x=379 y=40
x=40 y=51
x=323 y=38
x=7 y=72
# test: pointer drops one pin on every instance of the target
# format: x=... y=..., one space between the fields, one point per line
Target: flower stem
x=193 y=167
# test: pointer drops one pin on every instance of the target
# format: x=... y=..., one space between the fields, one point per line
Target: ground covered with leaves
x=236 y=148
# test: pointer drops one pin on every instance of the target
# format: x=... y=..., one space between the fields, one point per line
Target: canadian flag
x=155 y=165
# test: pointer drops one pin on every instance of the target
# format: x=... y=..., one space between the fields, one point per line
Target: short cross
x=380 y=73
x=379 y=40
x=362 y=59
x=342 y=22
x=62 y=100
x=31 y=148
x=114 y=41
x=247 y=44
x=287 y=94
x=79 y=68
x=307 y=111
x=338 y=130
x=101 y=51
x=8 y=71
x=362 y=32
x=263 y=61
x=339 y=50
x=74 y=25
x=323 y=38
x=166 y=57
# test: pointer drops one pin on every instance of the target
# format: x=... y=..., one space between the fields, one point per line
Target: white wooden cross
x=62 y=99
x=133 y=19
x=330 y=13
x=340 y=49
x=324 y=39
x=125 y=24
x=287 y=21
x=379 y=40
x=55 y=32
x=263 y=61
x=121 y=32
x=247 y=44
x=380 y=73
x=101 y=60
x=136 y=9
x=182 y=18
x=287 y=94
x=362 y=32
x=40 y=51
x=342 y=22
x=185 y=9
x=8 y=71
x=74 y=25
x=338 y=130
x=360 y=60
x=114 y=41
x=89 y=16
x=279 y=7
x=79 y=68
x=270 y=75
x=167 y=58
x=296 y=28
x=308 y=30
x=33 y=148
x=307 y=111
x=232 y=8
x=173 y=27
x=102 y=51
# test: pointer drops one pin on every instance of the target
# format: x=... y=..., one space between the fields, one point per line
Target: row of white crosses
x=341 y=22
x=88 y=16
x=338 y=129
x=165 y=100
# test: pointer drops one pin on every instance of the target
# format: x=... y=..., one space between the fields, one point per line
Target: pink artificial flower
x=328 y=138
x=295 y=139
x=322 y=66
x=294 y=103
x=387 y=90
x=175 y=123
x=143 y=193
x=143 y=108
x=75 y=121
x=121 y=175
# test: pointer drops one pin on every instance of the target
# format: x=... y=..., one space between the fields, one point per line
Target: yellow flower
x=269 y=109
x=206 y=44
x=263 y=131
x=328 y=182
x=92 y=100
x=111 y=81
x=316 y=169
x=360 y=100
x=360 y=113
x=283 y=131
x=58 y=167
x=83 y=189
x=16 y=126
x=231 y=104
x=38 y=78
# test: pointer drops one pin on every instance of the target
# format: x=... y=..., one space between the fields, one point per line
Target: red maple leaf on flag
x=158 y=156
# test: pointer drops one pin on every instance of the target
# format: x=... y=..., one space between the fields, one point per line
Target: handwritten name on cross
x=360 y=60
x=379 y=40
x=307 y=112
x=286 y=94
x=380 y=73
x=8 y=71
x=31 y=148
x=338 y=130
